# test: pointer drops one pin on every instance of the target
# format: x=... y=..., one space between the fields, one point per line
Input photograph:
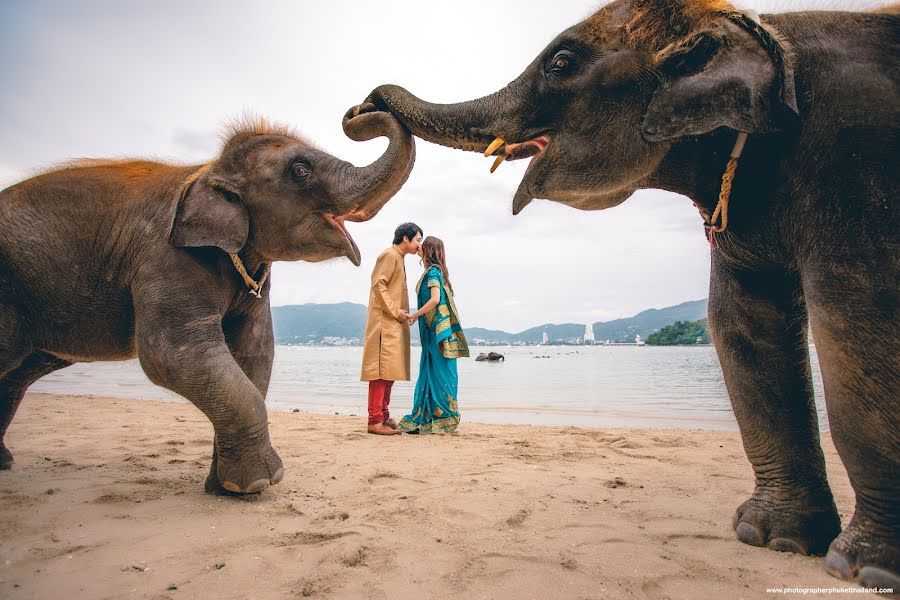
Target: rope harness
x=254 y=288
x=718 y=222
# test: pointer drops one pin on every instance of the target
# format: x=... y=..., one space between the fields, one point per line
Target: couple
x=386 y=351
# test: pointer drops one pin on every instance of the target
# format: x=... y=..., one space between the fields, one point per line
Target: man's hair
x=407 y=230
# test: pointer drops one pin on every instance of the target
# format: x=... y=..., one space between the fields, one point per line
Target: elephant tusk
x=494 y=145
x=497 y=162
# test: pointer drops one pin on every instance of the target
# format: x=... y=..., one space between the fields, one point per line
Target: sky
x=159 y=80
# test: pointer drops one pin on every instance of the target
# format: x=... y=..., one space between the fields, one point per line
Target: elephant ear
x=210 y=213
x=738 y=77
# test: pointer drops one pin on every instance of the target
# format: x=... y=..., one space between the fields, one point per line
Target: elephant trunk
x=470 y=125
x=367 y=189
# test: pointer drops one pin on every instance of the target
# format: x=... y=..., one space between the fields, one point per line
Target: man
x=386 y=351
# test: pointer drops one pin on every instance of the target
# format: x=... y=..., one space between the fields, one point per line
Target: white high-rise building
x=588 y=334
x=545 y=339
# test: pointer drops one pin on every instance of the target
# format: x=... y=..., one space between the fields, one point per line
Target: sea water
x=592 y=386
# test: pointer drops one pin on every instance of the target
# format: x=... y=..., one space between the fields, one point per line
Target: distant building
x=545 y=339
x=588 y=334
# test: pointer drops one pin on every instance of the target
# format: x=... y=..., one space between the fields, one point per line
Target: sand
x=106 y=501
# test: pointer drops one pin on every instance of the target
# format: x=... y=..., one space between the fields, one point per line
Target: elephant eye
x=300 y=171
x=561 y=63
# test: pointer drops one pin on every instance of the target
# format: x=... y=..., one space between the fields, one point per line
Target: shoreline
x=593 y=419
x=106 y=500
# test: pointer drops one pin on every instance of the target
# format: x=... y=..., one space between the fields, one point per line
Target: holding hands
x=405 y=317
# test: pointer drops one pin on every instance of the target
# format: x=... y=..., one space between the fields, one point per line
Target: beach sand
x=106 y=501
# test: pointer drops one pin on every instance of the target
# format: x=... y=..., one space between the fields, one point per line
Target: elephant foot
x=787 y=526
x=245 y=473
x=6 y=458
x=860 y=555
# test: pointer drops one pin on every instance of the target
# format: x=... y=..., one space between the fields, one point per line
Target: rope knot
x=254 y=287
x=719 y=220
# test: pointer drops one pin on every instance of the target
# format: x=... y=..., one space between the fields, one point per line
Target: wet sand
x=106 y=501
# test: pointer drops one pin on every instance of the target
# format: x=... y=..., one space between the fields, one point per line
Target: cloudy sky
x=117 y=79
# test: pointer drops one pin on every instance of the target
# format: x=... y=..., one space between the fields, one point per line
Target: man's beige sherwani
x=386 y=350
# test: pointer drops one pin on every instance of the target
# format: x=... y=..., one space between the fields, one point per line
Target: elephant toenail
x=257 y=486
x=837 y=564
x=749 y=534
x=876 y=577
x=232 y=487
x=277 y=476
x=787 y=545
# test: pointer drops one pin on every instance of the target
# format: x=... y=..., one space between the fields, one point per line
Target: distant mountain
x=619 y=330
x=345 y=324
x=305 y=323
x=646 y=322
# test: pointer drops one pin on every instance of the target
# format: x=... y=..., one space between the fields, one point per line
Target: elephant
x=782 y=130
x=111 y=260
x=489 y=357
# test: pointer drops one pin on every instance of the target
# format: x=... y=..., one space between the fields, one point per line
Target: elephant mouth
x=533 y=148
x=352 y=251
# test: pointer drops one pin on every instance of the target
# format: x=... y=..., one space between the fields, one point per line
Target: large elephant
x=655 y=94
x=108 y=260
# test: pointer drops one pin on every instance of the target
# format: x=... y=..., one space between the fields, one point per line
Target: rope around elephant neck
x=720 y=215
x=254 y=286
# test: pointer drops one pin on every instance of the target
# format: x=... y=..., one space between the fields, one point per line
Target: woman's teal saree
x=435 y=407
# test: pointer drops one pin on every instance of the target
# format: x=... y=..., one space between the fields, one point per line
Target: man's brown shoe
x=381 y=429
x=391 y=423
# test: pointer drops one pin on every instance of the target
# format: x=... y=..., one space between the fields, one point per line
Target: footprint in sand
x=51 y=553
x=697 y=536
x=355 y=558
x=309 y=538
x=382 y=475
x=310 y=587
x=517 y=519
x=334 y=516
x=111 y=498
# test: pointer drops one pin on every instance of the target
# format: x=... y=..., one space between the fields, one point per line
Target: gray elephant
x=804 y=222
x=108 y=260
x=490 y=357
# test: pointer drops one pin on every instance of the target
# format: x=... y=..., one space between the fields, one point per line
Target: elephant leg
x=758 y=326
x=252 y=344
x=12 y=352
x=12 y=388
x=856 y=333
x=13 y=348
x=183 y=348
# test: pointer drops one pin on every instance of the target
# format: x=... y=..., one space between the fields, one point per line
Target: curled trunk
x=368 y=189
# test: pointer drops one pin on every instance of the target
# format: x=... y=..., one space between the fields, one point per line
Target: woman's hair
x=433 y=254
x=406 y=230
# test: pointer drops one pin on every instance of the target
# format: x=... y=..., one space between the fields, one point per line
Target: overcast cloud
x=117 y=79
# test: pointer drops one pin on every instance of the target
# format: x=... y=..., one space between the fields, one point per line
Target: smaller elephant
x=490 y=357
x=108 y=260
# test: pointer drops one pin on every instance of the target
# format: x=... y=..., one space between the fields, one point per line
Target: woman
x=434 y=406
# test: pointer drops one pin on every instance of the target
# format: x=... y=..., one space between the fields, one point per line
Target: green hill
x=681 y=333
